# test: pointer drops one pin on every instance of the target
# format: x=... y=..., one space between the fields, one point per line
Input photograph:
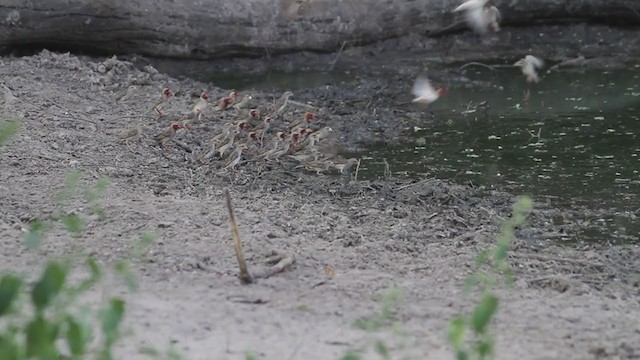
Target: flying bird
x=529 y=65
x=480 y=17
x=424 y=92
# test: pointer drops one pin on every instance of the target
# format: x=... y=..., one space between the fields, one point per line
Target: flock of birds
x=481 y=18
x=231 y=133
x=236 y=134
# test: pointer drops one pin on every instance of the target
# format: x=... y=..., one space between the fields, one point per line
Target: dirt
x=352 y=240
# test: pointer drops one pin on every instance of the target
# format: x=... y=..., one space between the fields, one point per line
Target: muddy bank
x=351 y=239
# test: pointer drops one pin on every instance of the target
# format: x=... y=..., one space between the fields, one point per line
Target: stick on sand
x=244 y=276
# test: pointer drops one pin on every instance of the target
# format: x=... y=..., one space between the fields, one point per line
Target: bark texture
x=218 y=28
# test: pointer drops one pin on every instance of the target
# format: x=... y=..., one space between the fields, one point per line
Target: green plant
x=7 y=129
x=47 y=319
x=489 y=266
x=378 y=321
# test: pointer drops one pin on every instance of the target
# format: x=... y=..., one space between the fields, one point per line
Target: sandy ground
x=352 y=240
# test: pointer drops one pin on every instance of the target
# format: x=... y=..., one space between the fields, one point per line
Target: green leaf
x=462 y=355
x=149 y=351
x=471 y=281
x=73 y=223
x=484 y=348
x=71 y=184
x=523 y=205
x=381 y=349
x=483 y=313
x=41 y=337
x=456 y=332
x=77 y=338
x=34 y=237
x=7 y=130
x=49 y=285
x=146 y=239
x=9 y=349
x=110 y=319
x=124 y=270
x=350 y=355
x=481 y=258
x=9 y=291
x=173 y=354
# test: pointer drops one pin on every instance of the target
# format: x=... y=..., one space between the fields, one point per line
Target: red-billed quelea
x=163 y=138
x=425 y=93
x=479 y=16
x=529 y=65
x=303 y=122
x=164 y=98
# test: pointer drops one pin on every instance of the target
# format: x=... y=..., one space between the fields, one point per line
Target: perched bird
x=164 y=98
x=529 y=65
x=424 y=92
x=234 y=95
x=280 y=105
x=305 y=121
x=235 y=157
x=224 y=148
x=319 y=166
x=131 y=134
x=280 y=136
x=242 y=103
x=200 y=106
x=168 y=135
x=344 y=165
x=223 y=104
x=480 y=17
x=131 y=89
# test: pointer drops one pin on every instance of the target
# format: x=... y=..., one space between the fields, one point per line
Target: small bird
x=529 y=65
x=163 y=138
x=344 y=165
x=479 y=16
x=131 y=89
x=424 y=92
x=319 y=166
x=242 y=103
x=235 y=157
x=304 y=122
x=280 y=136
x=280 y=105
x=164 y=98
x=131 y=134
x=200 y=106
x=223 y=104
x=224 y=148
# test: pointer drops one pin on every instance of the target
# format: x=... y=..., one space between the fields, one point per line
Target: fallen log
x=224 y=28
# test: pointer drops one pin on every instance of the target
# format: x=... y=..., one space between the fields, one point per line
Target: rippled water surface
x=574 y=142
x=570 y=140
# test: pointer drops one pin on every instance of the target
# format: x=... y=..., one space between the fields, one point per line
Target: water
x=573 y=144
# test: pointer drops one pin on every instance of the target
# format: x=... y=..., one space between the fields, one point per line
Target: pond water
x=572 y=143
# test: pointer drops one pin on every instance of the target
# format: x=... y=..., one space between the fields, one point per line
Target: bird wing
x=470 y=4
x=534 y=61
x=478 y=20
x=494 y=14
x=422 y=88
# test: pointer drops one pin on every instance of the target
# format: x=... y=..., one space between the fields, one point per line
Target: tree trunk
x=219 y=28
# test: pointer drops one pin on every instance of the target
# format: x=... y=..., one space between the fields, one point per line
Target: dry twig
x=244 y=275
